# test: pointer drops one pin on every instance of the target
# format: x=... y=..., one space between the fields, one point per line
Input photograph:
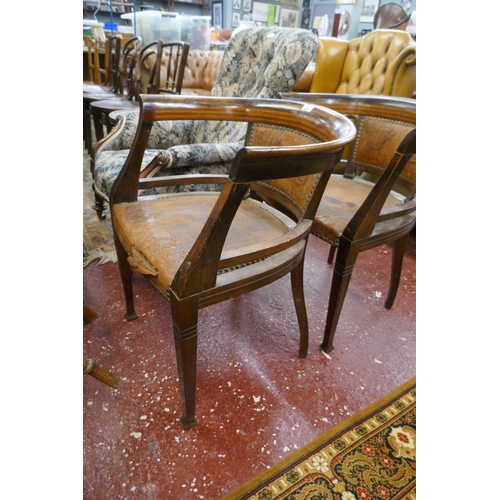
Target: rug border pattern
x=275 y=477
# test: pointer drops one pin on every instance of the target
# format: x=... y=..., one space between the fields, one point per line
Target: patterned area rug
x=370 y=456
x=97 y=234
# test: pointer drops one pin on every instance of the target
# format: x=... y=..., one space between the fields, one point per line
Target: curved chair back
x=390 y=16
x=259 y=63
x=128 y=64
x=166 y=77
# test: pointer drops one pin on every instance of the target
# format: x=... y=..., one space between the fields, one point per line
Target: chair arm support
x=122 y=135
x=189 y=155
x=178 y=180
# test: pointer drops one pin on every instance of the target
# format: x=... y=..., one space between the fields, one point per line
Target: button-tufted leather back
x=202 y=68
x=383 y=62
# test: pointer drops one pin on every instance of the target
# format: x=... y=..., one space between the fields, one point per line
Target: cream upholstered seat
x=260 y=62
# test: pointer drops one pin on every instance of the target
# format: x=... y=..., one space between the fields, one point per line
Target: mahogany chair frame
x=289 y=153
x=386 y=130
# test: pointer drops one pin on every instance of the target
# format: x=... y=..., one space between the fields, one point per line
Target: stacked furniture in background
x=260 y=63
x=146 y=77
x=383 y=62
x=118 y=86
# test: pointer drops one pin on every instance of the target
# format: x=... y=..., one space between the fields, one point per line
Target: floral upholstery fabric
x=258 y=62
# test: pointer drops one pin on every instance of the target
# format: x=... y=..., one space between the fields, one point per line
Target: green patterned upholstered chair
x=259 y=62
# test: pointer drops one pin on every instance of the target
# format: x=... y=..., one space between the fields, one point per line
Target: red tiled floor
x=256 y=400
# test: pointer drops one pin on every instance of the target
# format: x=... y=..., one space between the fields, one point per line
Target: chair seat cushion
x=340 y=201
x=158 y=249
x=110 y=163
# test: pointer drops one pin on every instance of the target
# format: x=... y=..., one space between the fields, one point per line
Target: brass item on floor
x=89 y=366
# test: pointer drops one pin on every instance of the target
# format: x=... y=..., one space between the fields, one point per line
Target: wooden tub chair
x=201 y=248
x=370 y=200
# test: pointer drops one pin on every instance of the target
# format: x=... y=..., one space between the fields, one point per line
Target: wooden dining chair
x=152 y=78
x=104 y=76
x=120 y=91
x=370 y=200
x=201 y=248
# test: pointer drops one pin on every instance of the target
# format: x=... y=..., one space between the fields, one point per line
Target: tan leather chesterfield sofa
x=200 y=73
x=383 y=62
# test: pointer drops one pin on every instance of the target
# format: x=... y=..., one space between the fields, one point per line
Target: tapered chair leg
x=99 y=206
x=99 y=129
x=126 y=277
x=185 y=322
x=87 y=129
x=398 y=252
x=346 y=258
x=297 y=276
x=331 y=254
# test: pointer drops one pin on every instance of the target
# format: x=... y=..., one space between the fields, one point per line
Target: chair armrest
x=122 y=135
x=163 y=135
x=181 y=180
x=189 y=155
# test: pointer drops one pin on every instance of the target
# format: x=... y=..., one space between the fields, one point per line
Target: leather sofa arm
x=402 y=74
x=330 y=57
x=202 y=68
x=195 y=66
x=212 y=69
